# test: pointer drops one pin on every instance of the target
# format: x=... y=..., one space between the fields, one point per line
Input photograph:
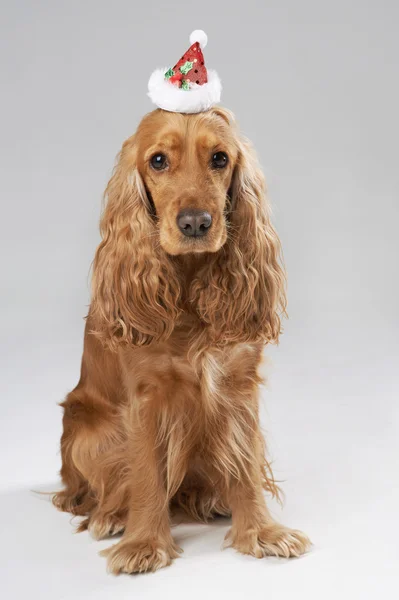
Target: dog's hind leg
x=89 y=430
x=110 y=514
x=76 y=497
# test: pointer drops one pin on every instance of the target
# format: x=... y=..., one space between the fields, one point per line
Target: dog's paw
x=105 y=526
x=270 y=540
x=101 y=526
x=130 y=556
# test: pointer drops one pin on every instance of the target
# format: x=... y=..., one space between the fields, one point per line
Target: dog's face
x=186 y=163
x=187 y=184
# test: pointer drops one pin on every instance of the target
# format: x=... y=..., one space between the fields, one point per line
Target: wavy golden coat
x=166 y=410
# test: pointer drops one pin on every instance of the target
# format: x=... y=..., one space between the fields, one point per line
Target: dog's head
x=187 y=184
x=186 y=163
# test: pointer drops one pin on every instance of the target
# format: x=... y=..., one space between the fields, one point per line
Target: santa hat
x=188 y=87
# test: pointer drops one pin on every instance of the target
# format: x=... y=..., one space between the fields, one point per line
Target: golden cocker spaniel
x=187 y=289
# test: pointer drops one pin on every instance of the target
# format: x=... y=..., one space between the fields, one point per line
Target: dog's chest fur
x=212 y=378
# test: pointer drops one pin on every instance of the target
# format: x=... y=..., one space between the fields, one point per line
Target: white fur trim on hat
x=198 y=98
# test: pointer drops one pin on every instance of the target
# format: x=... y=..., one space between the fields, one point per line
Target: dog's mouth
x=195 y=244
x=198 y=243
x=175 y=243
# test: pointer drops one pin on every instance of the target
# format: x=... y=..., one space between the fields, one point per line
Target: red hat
x=187 y=87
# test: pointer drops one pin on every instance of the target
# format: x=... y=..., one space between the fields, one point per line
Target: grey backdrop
x=314 y=84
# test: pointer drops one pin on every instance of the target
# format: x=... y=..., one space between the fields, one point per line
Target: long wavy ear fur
x=240 y=293
x=135 y=291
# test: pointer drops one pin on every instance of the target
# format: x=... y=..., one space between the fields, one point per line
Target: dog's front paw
x=130 y=556
x=272 y=539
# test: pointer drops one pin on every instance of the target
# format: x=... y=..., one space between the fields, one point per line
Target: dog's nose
x=194 y=223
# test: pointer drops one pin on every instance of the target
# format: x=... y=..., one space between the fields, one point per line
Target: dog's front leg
x=147 y=544
x=253 y=529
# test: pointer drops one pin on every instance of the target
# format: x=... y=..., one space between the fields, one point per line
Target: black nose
x=194 y=223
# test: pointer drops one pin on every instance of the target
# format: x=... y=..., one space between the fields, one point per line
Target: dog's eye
x=219 y=160
x=159 y=162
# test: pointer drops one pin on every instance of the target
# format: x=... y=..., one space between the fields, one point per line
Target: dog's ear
x=240 y=293
x=135 y=291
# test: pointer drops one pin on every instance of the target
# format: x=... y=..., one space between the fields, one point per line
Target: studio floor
x=356 y=557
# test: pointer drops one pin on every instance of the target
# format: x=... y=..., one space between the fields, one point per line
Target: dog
x=187 y=289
